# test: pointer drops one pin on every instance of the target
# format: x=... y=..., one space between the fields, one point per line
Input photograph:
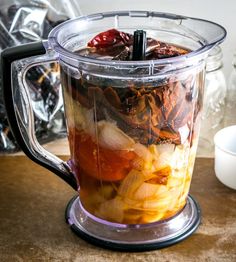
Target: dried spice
x=131 y=130
x=110 y=38
x=119 y=46
x=156 y=113
x=150 y=115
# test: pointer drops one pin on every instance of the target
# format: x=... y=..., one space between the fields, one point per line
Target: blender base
x=141 y=237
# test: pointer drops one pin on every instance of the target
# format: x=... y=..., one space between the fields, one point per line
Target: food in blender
x=133 y=143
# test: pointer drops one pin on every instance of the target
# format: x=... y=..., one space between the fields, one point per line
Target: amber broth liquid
x=132 y=147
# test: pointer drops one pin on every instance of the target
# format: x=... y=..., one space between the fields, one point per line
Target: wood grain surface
x=32 y=226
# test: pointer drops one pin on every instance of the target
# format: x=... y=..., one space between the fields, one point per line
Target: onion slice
x=110 y=136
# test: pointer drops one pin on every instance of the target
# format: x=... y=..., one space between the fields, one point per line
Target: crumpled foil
x=46 y=98
x=24 y=21
x=28 y=23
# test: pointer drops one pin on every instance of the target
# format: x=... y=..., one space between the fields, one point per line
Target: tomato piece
x=102 y=163
x=109 y=38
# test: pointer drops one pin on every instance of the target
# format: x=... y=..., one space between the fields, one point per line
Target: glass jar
x=213 y=103
x=230 y=102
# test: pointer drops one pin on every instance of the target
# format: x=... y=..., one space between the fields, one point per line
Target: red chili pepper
x=110 y=38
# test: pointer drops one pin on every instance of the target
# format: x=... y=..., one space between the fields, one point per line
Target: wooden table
x=32 y=226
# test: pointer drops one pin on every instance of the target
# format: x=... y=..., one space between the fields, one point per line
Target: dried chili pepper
x=110 y=38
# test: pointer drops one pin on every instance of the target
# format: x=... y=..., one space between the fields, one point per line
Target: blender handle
x=15 y=62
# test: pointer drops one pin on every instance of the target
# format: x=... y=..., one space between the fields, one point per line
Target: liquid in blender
x=133 y=144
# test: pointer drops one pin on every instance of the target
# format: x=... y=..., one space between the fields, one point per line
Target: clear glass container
x=213 y=102
x=133 y=127
x=230 y=104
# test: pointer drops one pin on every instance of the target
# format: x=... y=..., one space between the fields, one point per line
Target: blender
x=133 y=118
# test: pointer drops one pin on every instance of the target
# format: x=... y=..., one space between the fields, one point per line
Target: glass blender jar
x=132 y=126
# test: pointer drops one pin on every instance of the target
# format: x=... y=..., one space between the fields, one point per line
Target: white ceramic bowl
x=225 y=156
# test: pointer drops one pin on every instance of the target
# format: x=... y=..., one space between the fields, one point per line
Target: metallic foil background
x=25 y=21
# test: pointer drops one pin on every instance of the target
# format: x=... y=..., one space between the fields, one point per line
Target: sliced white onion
x=166 y=148
x=150 y=218
x=106 y=191
x=166 y=152
x=161 y=205
x=175 y=194
x=164 y=160
x=181 y=156
x=130 y=184
x=143 y=152
x=175 y=182
x=184 y=133
x=110 y=136
x=153 y=150
x=112 y=210
x=147 y=190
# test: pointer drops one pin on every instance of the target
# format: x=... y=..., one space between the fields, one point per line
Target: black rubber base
x=133 y=247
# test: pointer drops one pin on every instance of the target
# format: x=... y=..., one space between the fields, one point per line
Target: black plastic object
x=97 y=240
x=8 y=56
x=139 y=45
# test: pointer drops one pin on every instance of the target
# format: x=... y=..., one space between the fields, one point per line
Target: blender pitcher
x=132 y=125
